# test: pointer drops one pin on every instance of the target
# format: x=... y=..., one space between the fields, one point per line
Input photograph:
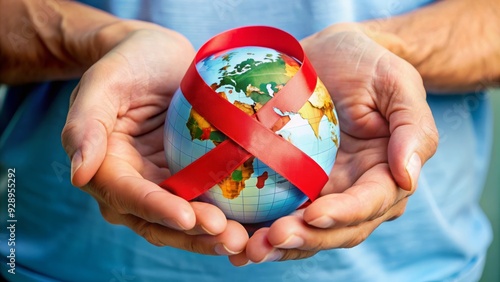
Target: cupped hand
x=387 y=134
x=114 y=137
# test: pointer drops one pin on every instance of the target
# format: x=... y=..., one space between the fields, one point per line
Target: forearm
x=454 y=44
x=56 y=39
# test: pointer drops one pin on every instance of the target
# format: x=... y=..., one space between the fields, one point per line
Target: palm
x=361 y=77
x=121 y=104
x=384 y=122
x=364 y=137
x=139 y=154
x=136 y=141
x=354 y=160
x=139 y=97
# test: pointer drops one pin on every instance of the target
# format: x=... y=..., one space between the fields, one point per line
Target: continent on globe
x=261 y=180
x=248 y=78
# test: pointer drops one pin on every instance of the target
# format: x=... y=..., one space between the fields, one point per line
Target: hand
x=387 y=134
x=114 y=136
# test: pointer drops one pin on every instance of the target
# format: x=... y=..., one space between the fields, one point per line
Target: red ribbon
x=249 y=135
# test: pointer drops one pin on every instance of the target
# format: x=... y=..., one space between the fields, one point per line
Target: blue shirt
x=60 y=234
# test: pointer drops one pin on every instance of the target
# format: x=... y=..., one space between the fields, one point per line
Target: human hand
x=114 y=136
x=387 y=134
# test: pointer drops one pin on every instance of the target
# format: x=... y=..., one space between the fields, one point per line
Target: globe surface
x=248 y=77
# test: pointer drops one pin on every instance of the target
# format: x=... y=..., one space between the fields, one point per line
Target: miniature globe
x=248 y=77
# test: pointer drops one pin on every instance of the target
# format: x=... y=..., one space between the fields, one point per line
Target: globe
x=249 y=77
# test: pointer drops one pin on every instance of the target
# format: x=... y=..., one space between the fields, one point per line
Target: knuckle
x=96 y=192
x=395 y=216
x=192 y=245
x=72 y=98
x=108 y=214
x=398 y=210
x=104 y=196
x=393 y=74
x=382 y=202
x=360 y=237
x=68 y=136
x=296 y=254
x=144 y=201
x=386 y=73
x=431 y=135
x=189 y=245
x=145 y=230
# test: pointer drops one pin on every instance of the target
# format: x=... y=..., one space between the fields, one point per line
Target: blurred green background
x=491 y=199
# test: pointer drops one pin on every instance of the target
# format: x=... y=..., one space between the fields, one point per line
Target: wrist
x=99 y=42
x=453 y=44
x=57 y=39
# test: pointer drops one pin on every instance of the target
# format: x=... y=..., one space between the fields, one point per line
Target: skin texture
x=114 y=126
x=374 y=93
x=116 y=121
x=453 y=44
x=383 y=147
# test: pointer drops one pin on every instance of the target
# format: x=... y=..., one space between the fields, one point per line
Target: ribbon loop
x=247 y=135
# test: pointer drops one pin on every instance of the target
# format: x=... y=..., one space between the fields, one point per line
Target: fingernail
x=323 y=221
x=248 y=263
x=206 y=230
x=76 y=163
x=291 y=242
x=171 y=223
x=221 y=249
x=413 y=168
x=274 y=255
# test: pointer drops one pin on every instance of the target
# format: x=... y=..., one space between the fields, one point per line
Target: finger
x=90 y=120
x=370 y=197
x=291 y=237
x=122 y=188
x=240 y=259
x=414 y=136
x=207 y=219
x=230 y=242
x=296 y=240
x=258 y=249
x=354 y=158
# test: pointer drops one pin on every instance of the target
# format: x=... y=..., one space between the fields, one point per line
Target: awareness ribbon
x=248 y=135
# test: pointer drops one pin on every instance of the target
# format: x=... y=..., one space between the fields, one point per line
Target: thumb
x=90 y=120
x=410 y=146
x=414 y=136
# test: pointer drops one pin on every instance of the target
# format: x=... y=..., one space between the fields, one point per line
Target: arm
x=58 y=39
x=454 y=44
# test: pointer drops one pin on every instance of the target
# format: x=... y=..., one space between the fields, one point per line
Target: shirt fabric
x=61 y=236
